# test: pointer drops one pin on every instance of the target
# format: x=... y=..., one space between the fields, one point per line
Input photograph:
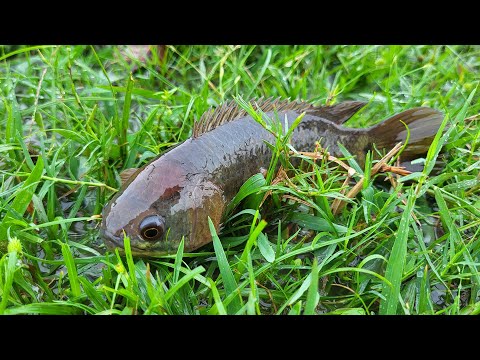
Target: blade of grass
x=396 y=261
x=266 y=248
x=424 y=302
x=57 y=308
x=448 y=222
x=10 y=268
x=185 y=279
x=125 y=117
x=296 y=309
x=225 y=271
x=216 y=297
x=93 y=294
x=130 y=263
x=248 y=247
x=21 y=201
x=72 y=270
x=178 y=261
x=312 y=296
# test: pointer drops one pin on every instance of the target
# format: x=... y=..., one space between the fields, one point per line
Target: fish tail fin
x=423 y=123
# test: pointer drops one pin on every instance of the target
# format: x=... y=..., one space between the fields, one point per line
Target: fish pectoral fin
x=126 y=174
x=339 y=113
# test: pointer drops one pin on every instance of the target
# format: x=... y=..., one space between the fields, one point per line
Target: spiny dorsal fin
x=126 y=174
x=339 y=113
x=230 y=110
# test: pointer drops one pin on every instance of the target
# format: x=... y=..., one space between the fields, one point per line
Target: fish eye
x=152 y=227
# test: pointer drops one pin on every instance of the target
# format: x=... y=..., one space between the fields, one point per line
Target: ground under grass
x=73 y=117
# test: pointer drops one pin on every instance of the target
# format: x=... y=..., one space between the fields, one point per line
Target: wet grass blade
x=424 y=302
x=265 y=248
x=296 y=309
x=21 y=201
x=251 y=186
x=10 y=268
x=125 y=117
x=185 y=279
x=312 y=296
x=351 y=311
x=454 y=236
x=130 y=263
x=225 y=271
x=72 y=270
x=178 y=261
x=93 y=294
x=56 y=308
x=216 y=297
x=248 y=247
x=396 y=261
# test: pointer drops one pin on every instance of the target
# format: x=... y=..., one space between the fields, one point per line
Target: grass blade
x=93 y=294
x=248 y=247
x=216 y=297
x=251 y=186
x=72 y=270
x=178 y=261
x=350 y=311
x=396 y=261
x=10 y=269
x=56 y=308
x=225 y=271
x=296 y=309
x=21 y=201
x=130 y=263
x=265 y=248
x=312 y=296
x=185 y=279
x=126 y=117
x=424 y=302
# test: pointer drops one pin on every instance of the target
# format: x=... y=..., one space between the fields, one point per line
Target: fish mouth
x=110 y=240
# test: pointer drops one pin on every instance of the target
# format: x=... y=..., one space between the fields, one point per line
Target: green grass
x=73 y=117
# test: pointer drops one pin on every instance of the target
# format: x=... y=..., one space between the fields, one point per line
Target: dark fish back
x=232 y=152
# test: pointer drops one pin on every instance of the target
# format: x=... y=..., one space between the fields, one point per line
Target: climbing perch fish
x=172 y=196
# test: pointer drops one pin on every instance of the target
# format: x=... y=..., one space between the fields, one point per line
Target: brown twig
x=294 y=198
x=359 y=185
x=267 y=290
x=318 y=155
x=472 y=118
x=281 y=175
x=336 y=203
x=400 y=170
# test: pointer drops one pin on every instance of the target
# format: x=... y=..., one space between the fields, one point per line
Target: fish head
x=158 y=206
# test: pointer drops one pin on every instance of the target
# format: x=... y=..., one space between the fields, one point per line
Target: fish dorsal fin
x=230 y=110
x=126 y=174
x=339 y=113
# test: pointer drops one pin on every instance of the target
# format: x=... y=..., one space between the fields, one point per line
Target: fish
x=172 y=196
